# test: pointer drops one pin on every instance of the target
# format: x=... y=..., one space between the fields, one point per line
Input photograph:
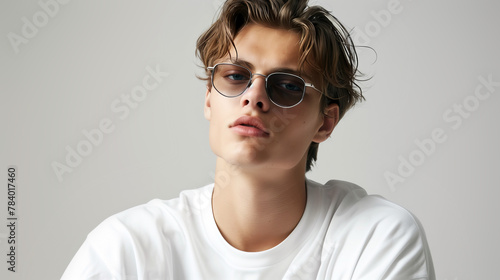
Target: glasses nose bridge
x=254 y=76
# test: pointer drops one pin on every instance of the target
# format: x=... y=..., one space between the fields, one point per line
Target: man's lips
x=249 y=126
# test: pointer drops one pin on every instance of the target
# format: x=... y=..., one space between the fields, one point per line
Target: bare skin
x=259 y=195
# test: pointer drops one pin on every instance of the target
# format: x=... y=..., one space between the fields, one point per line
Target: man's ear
x=330 y=120
x=207 y=109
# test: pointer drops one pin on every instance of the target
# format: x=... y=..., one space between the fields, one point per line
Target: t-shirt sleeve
x=102 y=255
x=380 y=240
x=115 y=250
x=396 y=249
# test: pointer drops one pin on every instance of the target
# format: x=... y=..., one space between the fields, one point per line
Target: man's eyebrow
x=250 y=66
x=241 y=62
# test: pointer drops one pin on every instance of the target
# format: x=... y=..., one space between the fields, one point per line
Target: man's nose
x=256 y=95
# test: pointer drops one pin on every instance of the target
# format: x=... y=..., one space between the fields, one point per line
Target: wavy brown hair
x=326 y=47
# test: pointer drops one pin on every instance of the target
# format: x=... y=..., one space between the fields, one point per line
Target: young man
x=280 y=75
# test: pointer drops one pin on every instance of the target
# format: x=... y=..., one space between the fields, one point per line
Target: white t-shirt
x=343 y=234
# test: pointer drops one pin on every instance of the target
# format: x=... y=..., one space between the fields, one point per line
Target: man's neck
x=255 y=213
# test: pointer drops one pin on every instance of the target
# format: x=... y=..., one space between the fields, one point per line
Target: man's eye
x=291 y=87
x=237 y=77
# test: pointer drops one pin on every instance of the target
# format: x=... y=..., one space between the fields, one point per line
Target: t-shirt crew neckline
x=308 y=224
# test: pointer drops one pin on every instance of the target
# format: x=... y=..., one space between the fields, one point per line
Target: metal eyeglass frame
x=212 y=68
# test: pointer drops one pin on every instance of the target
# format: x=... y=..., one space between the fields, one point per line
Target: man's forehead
x=268 y=49
x=257 y=33
x=260 y=46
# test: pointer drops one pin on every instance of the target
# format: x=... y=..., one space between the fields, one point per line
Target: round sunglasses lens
x=230 y=80
x=285 y=90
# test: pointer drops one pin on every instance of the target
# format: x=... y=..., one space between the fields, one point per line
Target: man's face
x=249 y=131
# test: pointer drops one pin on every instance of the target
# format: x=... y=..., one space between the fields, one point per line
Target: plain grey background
x=64 y=67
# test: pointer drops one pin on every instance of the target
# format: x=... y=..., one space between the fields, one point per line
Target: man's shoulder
x=341 y=189
x=160 y=214
x=336 y=193
x=136 y=240
x=370 y=229
x=354 y=206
